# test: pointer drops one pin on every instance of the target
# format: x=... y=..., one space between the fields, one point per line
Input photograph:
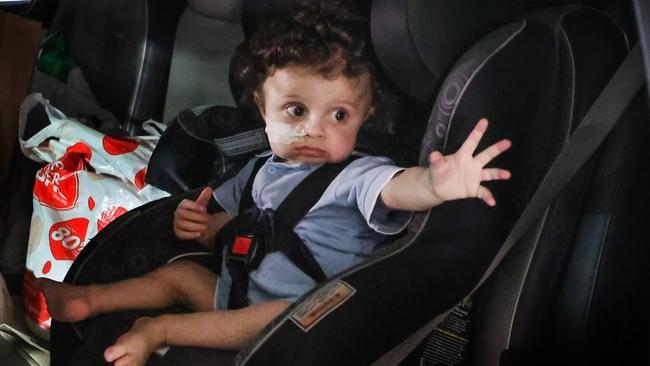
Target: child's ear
x=259 y=101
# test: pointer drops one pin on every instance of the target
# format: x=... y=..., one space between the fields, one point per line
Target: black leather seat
x=150 y=60
x=576 y=293
x=124 y=50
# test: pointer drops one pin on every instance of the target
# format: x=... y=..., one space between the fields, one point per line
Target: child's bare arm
x=449 y=177
x=227 y=330
x=192 y=221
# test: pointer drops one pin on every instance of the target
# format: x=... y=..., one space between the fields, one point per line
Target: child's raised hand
x=191 y=218
x=459 y=175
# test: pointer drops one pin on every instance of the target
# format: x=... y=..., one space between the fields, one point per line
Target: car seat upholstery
x=427 y=37
x=123 y=49
x=573 y=295
x=531 y=79
x=560 y=296
x=207 y=35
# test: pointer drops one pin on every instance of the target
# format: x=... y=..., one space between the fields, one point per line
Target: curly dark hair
x=328 y=37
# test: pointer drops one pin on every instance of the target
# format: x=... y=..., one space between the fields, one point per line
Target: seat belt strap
x=599 y=120
x=246 y=199
x=642 y=15
x=294 y=207
x=282 y=222
x=307 y=193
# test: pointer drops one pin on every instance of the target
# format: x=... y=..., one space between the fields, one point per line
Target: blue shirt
x=342 y=229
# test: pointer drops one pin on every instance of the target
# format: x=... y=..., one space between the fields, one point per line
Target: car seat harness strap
x=255 y=232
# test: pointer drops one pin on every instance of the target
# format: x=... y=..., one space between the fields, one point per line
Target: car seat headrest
x=229 y=10
x=417 y=41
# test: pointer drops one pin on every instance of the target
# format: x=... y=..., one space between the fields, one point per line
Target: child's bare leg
x=226 y=330
x=65 y=302
x=180 y=282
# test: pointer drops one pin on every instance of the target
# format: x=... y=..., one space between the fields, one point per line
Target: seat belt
x=642 y=16
x=254 y=233
x=588 y=136
x=246 y=199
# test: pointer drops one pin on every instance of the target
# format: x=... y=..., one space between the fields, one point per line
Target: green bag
x=55 y=58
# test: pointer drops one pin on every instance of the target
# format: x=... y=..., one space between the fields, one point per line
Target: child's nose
x=314 y=127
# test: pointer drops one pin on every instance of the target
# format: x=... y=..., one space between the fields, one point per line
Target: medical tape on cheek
x=284 y=133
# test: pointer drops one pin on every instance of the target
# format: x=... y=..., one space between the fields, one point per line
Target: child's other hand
x=191 y=218
x=459 y=175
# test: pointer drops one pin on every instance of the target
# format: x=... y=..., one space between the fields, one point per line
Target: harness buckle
x=243 y=247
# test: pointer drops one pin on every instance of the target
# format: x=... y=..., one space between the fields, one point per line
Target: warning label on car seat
x=321 y=303
x=243 y=143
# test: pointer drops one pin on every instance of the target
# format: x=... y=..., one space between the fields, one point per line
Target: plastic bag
x=89 y=180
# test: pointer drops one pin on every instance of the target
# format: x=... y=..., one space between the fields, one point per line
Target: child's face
x=311 y=119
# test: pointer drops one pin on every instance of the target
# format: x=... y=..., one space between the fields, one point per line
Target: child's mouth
x=310 y=152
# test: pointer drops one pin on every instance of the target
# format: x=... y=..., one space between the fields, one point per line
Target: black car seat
x=521 y=77
x=535 y=79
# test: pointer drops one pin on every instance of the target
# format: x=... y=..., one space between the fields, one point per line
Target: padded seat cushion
x=228 y=10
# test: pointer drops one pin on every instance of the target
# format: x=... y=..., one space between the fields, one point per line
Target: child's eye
x=339 y=115
x=296 y=110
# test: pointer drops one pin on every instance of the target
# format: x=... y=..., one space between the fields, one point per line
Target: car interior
x=458 y=287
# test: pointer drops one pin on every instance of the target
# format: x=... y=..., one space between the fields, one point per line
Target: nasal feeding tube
x=284 y=133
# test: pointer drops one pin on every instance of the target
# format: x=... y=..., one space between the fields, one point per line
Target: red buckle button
x=242 y=245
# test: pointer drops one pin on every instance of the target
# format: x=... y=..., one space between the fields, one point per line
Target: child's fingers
x=190 y=205
x=485 y=194
x=474 y=138
x=492 y=152
x=114 y=352
x=204 y=197
x=190 y=226
x=191 y=215
x=495 y=174
x=186 y=235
